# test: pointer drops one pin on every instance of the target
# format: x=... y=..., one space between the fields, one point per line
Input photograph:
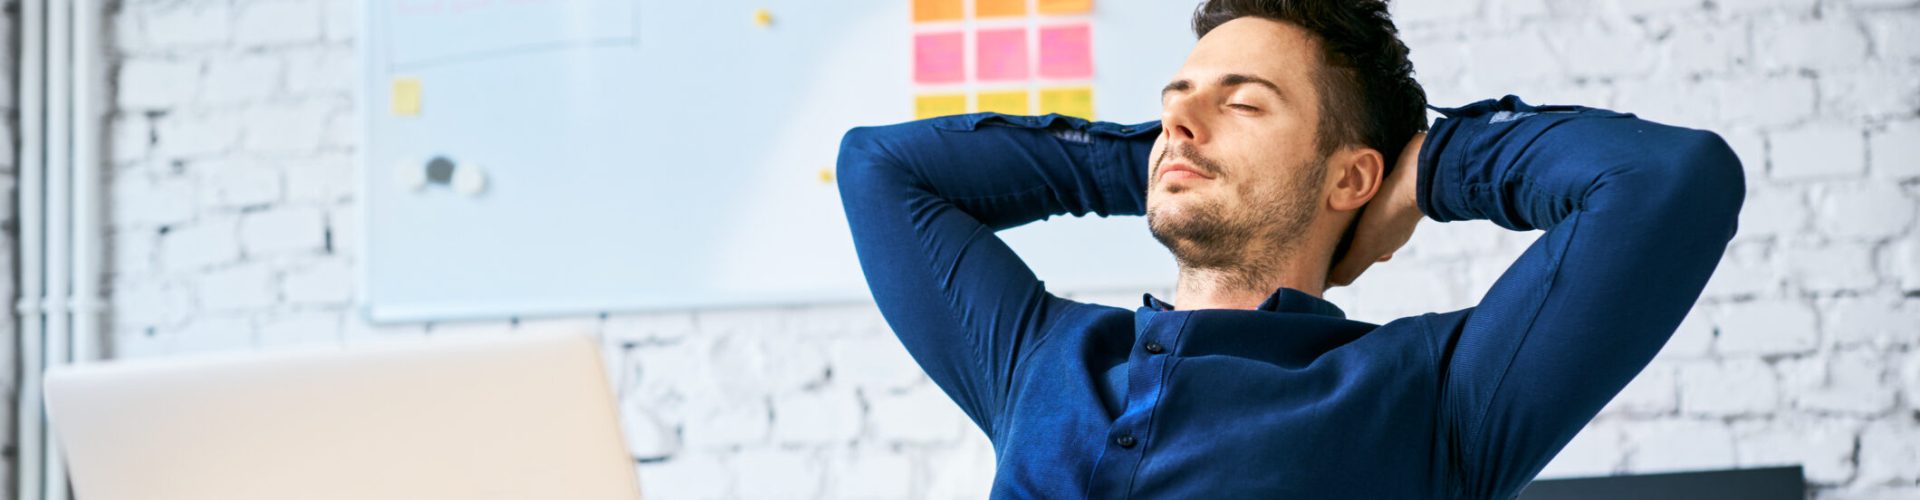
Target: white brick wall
x=232 y=201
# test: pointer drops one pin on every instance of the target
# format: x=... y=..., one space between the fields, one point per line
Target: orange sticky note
x=939 y=58
x=936 y=10
x=929 y=106
x=1070 y=101
x=1066 y=6
x=1012 y=102
x=999 y=8
x=406 y=97
x=1001 y=54
x=1066 y=52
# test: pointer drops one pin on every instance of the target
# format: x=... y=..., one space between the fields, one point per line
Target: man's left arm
x=1637 y=215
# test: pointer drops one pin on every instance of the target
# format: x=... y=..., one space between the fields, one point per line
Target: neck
x=1245 y=287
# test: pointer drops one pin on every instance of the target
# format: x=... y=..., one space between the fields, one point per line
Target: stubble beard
x=1242 y=243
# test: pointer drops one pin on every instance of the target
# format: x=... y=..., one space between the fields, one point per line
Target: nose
x=1179 y=120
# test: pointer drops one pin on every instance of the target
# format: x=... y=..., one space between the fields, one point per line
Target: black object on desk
x=1773 y=483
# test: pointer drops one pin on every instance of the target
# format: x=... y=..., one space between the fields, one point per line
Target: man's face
x=1235 y=172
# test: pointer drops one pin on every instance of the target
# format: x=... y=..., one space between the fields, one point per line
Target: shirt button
x=1155 y=348
x=1125 y=441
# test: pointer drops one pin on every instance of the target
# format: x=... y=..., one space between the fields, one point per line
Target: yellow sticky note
x=1065 y=6
x=1012 y=102
x=936 y=10
x=406 y=97
x=929 y=106
x=1070 y=101
x=999 y=8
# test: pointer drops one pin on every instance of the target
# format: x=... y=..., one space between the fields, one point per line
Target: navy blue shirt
x=1291 y=400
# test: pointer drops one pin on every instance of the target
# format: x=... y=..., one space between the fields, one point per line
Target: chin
x=1174 y=198
x=1174 y=212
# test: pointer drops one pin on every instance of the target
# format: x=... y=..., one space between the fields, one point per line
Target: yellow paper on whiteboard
x=937 y=10
x=929 y=106
x=406 y=97
x=1070 y=101
x=999 y=8
x=1065 y=6
x=1012 y=102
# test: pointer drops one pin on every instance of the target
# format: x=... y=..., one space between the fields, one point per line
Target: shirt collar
x=1283 y=300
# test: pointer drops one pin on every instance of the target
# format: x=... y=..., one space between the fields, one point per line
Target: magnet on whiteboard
x=469 y=180
x=410 y=176
x=763 y=17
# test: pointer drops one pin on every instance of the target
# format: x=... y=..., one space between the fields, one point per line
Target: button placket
x=1125 y=439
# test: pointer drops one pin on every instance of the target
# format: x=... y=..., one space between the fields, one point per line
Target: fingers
x=1355 y=264
x=1344 y=275
x=1352 y=267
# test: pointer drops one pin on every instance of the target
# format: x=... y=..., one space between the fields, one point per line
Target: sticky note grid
x=1006 y=56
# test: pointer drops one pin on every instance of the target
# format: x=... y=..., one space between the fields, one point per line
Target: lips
x=1179 y=170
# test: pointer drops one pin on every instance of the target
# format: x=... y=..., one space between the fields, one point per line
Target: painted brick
x=1724 y=388
x=283 y=230
x=1769 y=327
x=824 y=416
x=157 y=83
x=324 y=282
x=921 y=415
x=236 y=288
x=1823 y=447
x=180 y=25
x=1896 y=151
x=1825 y=150
x=1851 y=382
x=1819 y=44
x=276 y=22
x=208 y=241
x=1673 y=445
x=1889 y=448
x=1870 y=210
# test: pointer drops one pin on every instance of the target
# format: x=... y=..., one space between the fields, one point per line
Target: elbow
x=1721 y=180
x=866 y=158
x=861 y=155
x=1708 y=179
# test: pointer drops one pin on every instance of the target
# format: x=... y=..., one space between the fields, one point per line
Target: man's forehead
x=1273 y=50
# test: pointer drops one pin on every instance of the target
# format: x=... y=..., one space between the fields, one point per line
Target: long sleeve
x=923 y=200
x=1637 y=215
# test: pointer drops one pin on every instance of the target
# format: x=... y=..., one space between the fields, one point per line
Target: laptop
x=1766 y=483
x=521 y=417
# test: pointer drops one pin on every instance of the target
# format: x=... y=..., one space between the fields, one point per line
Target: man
x=1293 y=130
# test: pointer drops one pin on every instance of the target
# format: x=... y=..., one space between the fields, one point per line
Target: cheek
x=1153 y=156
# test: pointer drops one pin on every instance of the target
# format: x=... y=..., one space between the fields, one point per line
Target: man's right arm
x=923 y=200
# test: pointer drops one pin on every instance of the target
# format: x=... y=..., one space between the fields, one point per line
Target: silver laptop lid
x=498 y=418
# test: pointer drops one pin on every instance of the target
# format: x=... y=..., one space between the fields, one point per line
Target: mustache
x=1192 y=156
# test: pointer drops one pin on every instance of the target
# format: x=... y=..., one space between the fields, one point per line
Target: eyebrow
x=1227 y=80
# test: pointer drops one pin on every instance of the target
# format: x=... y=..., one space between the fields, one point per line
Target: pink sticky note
x=939 y=58
x=1002 y=54
x=1066 y=52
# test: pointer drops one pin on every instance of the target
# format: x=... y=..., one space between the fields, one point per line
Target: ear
x=1354 y=174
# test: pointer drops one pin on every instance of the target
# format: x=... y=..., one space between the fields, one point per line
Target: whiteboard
x=642 y=154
